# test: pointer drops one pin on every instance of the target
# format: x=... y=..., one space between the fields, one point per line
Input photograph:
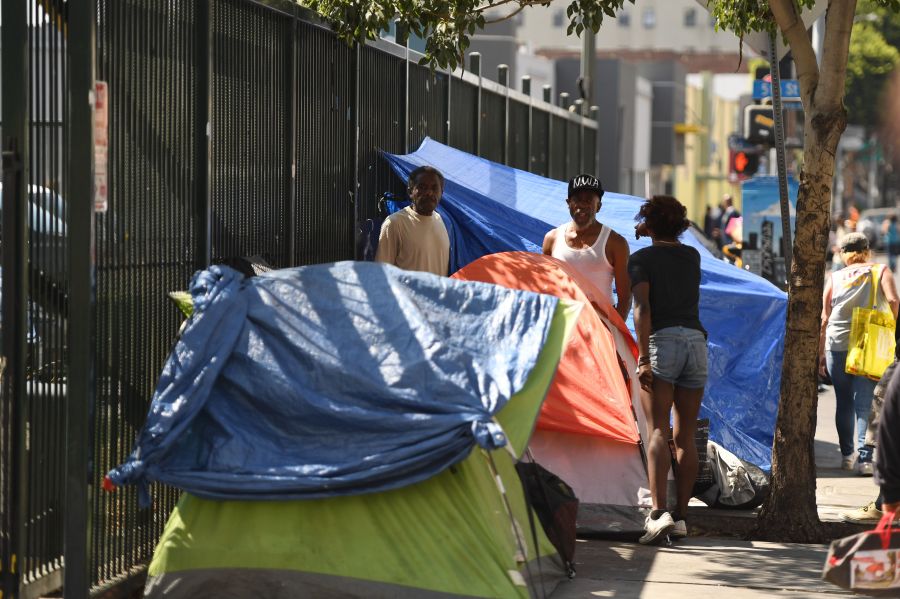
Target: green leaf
x=183 y=301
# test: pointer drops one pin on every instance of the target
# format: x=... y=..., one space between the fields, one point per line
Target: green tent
x=464 y=532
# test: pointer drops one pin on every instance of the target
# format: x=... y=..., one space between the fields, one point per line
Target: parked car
x=47 y=270
x=46 y=231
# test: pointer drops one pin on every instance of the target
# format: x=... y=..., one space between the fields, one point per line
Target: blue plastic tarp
x=334 y=379
x=489 y=207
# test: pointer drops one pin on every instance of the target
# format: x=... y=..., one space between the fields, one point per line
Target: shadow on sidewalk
x=696 y=568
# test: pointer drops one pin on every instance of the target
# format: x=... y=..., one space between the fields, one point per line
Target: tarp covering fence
x=489 y=207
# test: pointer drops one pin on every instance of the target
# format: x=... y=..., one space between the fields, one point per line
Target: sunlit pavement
x=701 y=567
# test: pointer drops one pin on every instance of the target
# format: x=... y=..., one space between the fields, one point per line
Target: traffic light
x=759 y=126
x=744 y=164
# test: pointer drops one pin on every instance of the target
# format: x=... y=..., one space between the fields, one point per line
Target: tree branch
x=515 y=12
x=788 y=19
x=838 y=25
x=499 y=3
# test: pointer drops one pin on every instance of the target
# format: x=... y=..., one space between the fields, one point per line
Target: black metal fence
x=236 y=129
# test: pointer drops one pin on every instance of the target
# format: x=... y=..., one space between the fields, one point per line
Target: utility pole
x=588 y=58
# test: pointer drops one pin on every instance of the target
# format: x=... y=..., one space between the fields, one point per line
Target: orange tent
x=589 y=394
x=590 y=428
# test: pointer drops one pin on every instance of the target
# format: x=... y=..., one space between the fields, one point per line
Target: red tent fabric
x=589 y=394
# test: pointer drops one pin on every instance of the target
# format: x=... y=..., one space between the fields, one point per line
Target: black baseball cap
x=589 y=182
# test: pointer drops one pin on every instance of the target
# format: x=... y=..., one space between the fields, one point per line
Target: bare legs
x=687 y=407
x=657 y=408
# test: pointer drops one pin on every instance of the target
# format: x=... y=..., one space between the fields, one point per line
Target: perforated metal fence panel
x=325 y=146
x=249 y=116
x=381 y=115
x=493 y=125
x=558 y=148
x=46 y=356
x=236 y=129
x=427 y=105
x=540 y=146
x=519 y=133
x=589 y=150
x=463 y=114
x=146 y=248
x=573 y=149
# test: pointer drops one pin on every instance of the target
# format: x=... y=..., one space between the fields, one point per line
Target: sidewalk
x=705 y=567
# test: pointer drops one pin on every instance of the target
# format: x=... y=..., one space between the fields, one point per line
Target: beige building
x=711 y=117
x=668 y=25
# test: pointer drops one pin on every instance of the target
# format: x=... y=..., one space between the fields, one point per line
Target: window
x=649 y=18
x=559 y=17
x=690 y=17
x=624 y=19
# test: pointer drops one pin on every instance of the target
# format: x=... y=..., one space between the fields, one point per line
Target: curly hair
x=664 y=215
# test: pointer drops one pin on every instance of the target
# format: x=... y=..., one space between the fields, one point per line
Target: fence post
x=526 y=89
x=203 y=133
x=503 y=78
x=564 y=104
x=354 y=234
x=13 y=403
x=447 y=106
x=475 y=67
x=595 y=114
x=548 y=99
x=402 y=37
x=80 y=65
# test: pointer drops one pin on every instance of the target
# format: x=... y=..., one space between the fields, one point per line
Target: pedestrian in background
x=890 y=238
x=846 y=289
x=843 y=229
x=872 y=512
x=672 y=367
x=887 y=467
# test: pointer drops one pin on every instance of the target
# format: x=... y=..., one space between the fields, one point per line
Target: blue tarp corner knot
x=488 y=435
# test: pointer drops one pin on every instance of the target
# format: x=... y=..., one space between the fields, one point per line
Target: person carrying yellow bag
x=852 y=352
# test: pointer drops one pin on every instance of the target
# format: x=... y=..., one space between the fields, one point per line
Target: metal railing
x=236 y=129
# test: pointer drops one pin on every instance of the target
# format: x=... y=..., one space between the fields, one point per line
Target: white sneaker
x=848 y=462
x=865 y=468
x=655 y=529
x=679 y=531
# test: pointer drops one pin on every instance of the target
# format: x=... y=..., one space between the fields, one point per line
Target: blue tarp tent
x=489 y=207
x=274 y=374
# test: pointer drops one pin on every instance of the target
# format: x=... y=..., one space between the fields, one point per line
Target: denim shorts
x=678 y=356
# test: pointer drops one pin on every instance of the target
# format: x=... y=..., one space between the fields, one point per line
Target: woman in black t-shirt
x=672 y=369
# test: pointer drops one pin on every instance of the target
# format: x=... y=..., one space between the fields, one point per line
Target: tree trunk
x=789 y=514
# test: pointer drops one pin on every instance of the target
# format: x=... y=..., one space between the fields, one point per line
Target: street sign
x=101 y=146
x=790 y=89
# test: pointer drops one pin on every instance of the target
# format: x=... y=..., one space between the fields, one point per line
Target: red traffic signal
x=744 y=164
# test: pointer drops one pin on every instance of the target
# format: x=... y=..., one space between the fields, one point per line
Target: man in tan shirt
x=415 y=238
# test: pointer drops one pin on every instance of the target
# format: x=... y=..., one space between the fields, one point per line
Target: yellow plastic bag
x=872 y=341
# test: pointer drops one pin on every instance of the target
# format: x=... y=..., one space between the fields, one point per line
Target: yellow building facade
x=703 y=179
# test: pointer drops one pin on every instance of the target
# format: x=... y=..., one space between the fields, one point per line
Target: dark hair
x=421 y=170
x=664 y=215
